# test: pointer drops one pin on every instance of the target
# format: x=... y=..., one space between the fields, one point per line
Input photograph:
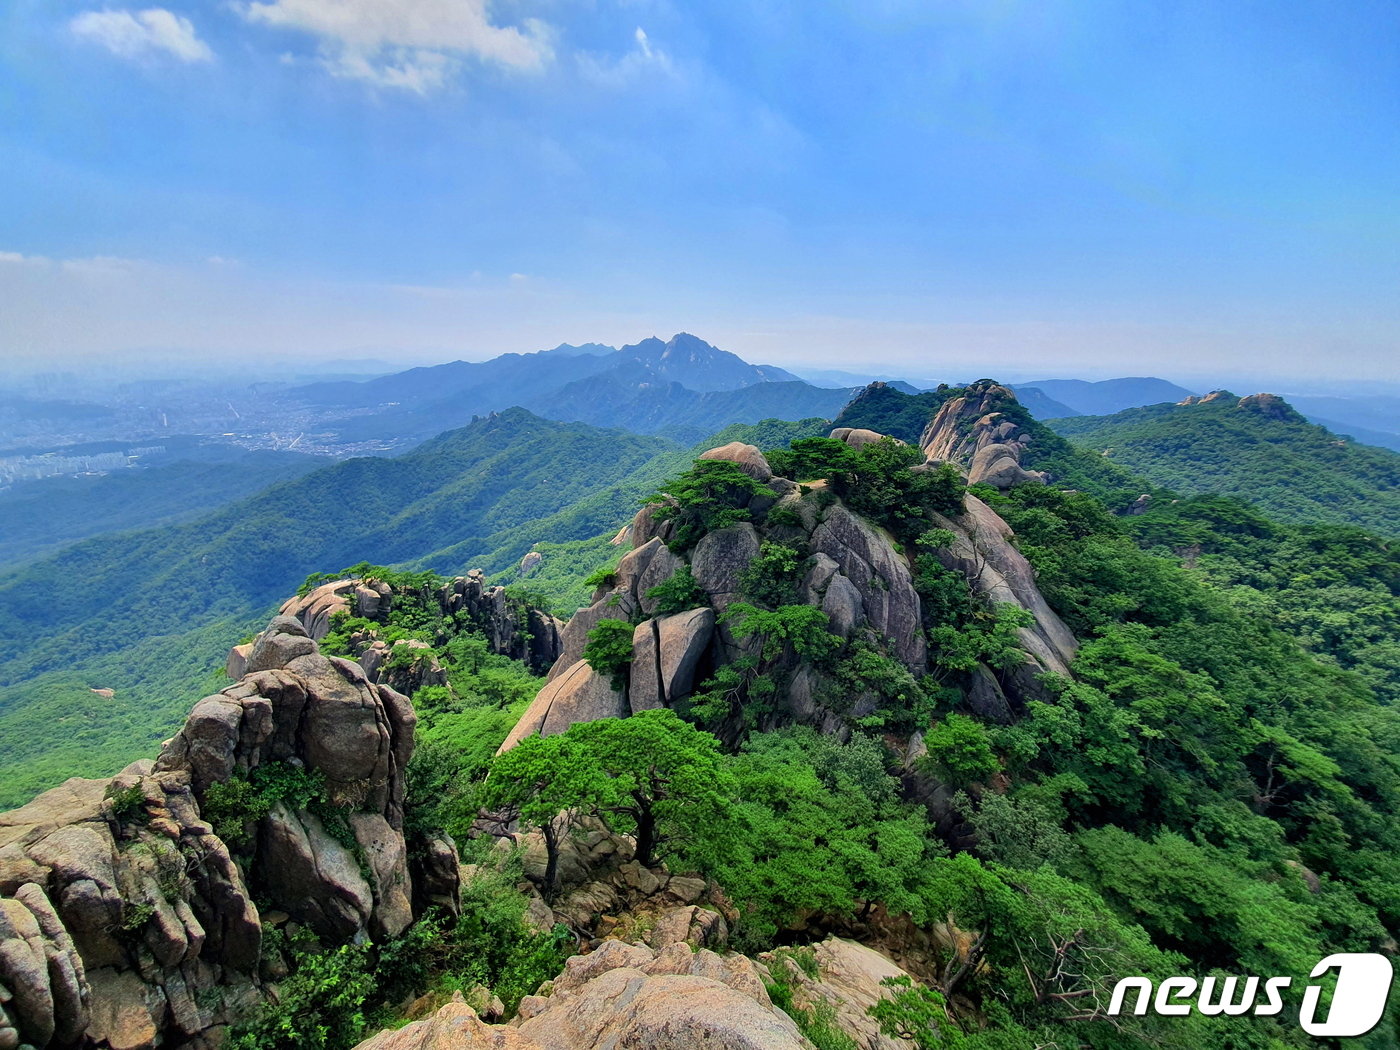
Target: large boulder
x=616 y=604
x=746 y=457
x=974 y=431
x=282 y=642
x=691 y=925
x=317 y=879
x=666 y=651
x=315 y=609
x=580 y=694
x=720 y=559
x=866 y=558
x=847 y=984
x=455 y=1026
x=858 y=437
x=1000 y=574
x=634 y=998
x=622 y=997
x=322 y=715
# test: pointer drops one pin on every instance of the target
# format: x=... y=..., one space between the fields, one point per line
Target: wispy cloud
x=101 y=265
x=143 y=34
x=644 y=61
x=410 y=45
x=93 y=264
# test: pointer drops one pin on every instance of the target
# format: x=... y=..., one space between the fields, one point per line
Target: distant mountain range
x=1373 y=419
x=1041 y=405
x=1103 y=398
x=684 y=387
x=645 y=387
x=835 y=378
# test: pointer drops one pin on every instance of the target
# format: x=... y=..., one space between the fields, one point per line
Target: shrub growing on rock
x=678 y=594
x=713 y=494
x=609 y=650
x=960 y=748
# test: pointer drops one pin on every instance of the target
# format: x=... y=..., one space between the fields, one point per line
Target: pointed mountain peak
x=697 y=365
x=581 y=350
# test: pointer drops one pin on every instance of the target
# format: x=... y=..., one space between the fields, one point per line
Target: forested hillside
x=1333 y=588
x=150 y=614
x=1256 y=448
x=41 y=516
x=1209 y=787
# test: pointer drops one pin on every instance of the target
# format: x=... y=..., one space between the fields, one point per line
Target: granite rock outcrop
x=851 y=569
x=127 y=921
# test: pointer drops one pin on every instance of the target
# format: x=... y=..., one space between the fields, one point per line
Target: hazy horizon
x=105 y=371
x=1004 y=187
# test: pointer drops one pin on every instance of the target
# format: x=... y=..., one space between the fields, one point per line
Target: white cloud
x=412 y=45
x=88 y=265
x=140 y=34
x=100 y=265
x=641 y=63
x=418 y=71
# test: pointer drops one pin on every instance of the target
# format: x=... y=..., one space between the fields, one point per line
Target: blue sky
x=1031 y=184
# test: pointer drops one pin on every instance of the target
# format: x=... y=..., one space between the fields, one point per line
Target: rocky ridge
x=127 y=922
x=510 y=627
x=632 y=996
x=1271 y=406
x=974 y=430
x=853 y=571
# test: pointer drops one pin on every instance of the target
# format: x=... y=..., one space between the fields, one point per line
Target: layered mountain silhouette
x=645 y=387
x=1102 y=398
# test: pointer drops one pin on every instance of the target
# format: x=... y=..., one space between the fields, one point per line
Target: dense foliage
x=1265 y=453
x=651 y=776
x=150 y=613
x=1211 y=792
x=713 y=494
x=40 y=516
x=887 y=410
x=1205 y=795
x=334 y=999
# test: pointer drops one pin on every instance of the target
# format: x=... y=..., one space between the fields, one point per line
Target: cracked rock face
x=122 y=916
x=125 y=922
x=865 y=557
x=322 y=715
x=854 y=572
x=972 y=431
x=848 y=984
x=623 y=997
x=511 y=628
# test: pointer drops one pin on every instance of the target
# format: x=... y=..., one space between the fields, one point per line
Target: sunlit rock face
x=126 y=921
